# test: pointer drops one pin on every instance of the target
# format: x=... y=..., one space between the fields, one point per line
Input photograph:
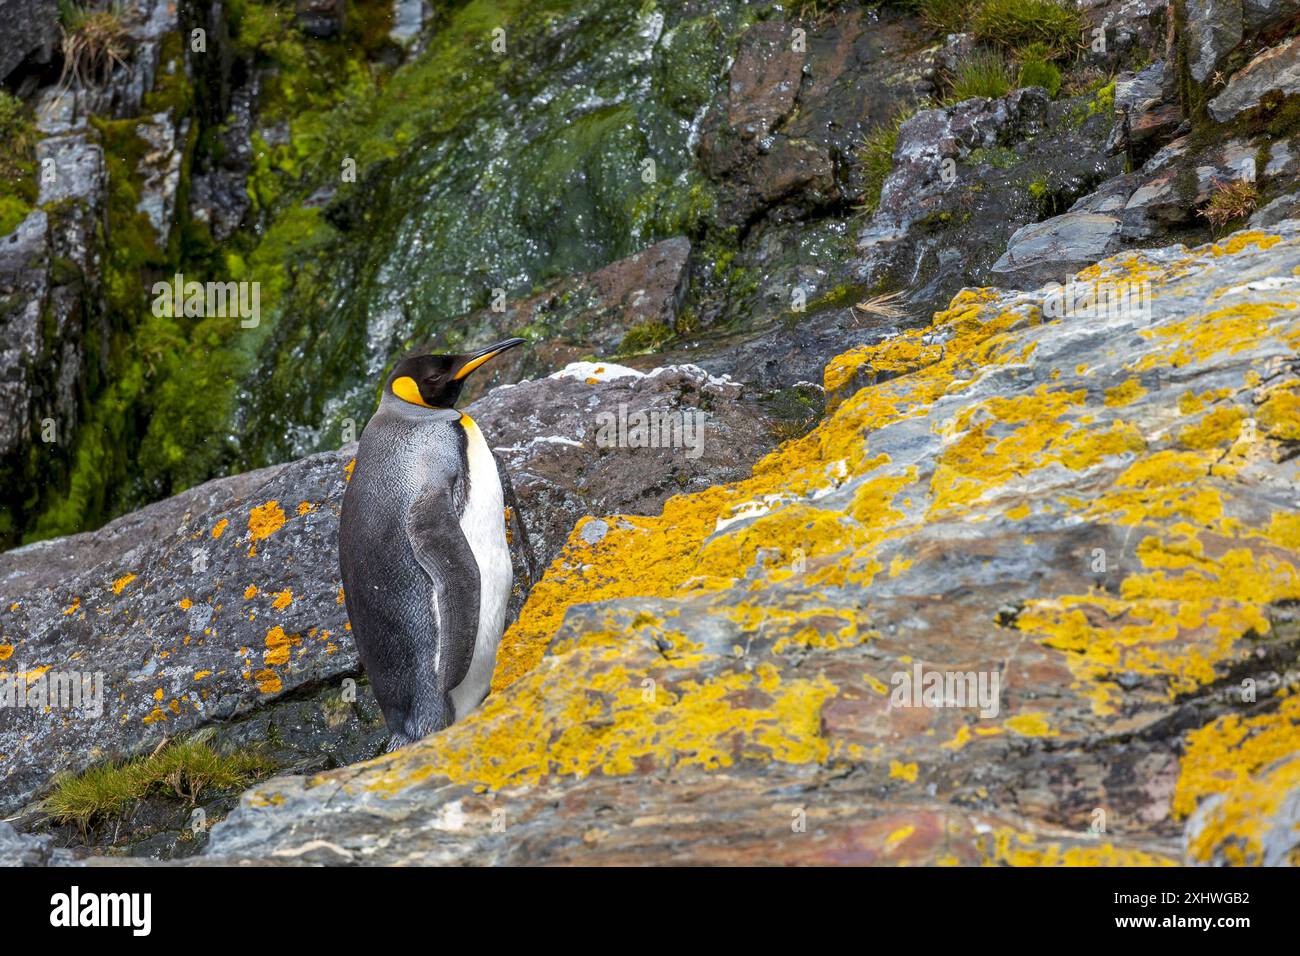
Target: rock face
x=223 y=604
x=580 y=317
x=1018 y=585
x=1041 y=250
x=966 y=176
x=1025 y=599
x=54 y=323
x=29 y=29
x=1275 y=71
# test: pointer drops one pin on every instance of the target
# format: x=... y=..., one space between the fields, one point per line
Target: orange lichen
x=219 y=528
x=265 y=520
x=122 y=582
x=277 y=646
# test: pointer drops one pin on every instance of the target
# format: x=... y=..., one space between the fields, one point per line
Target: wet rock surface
x=1099 y=509
x=222 y=606
x=1091 y=498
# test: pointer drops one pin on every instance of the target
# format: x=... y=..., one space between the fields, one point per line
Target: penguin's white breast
x=484 y=527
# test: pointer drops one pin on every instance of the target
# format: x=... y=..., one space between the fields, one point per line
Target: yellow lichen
x=1125 y=394
x=1226 y=754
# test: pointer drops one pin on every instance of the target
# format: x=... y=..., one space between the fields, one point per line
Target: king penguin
x=423 y=547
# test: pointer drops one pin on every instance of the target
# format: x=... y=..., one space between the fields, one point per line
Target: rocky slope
x=1085 y=507
x=1101 y=511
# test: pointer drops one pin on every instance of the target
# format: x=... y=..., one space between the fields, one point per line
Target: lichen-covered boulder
x=223 y=604
x=1026 y=598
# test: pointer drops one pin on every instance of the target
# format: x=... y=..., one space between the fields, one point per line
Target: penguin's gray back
x=422 y=545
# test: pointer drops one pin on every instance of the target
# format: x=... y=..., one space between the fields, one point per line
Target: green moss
x=834 y=297
x=999 y=157
x=1103 y=103
x=18 y=186
x=646 y=337
x=184 y=770
x=12 y=212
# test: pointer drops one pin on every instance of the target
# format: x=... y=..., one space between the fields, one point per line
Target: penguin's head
x=435 y=381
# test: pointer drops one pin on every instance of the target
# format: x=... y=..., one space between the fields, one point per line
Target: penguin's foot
x=397 y=740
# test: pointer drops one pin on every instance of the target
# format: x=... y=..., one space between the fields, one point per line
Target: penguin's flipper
x=444 y=553
x=520 y=530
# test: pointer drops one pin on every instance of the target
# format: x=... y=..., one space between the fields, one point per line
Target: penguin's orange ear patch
x=406 y=389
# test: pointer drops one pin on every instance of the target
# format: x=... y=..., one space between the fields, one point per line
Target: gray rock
x=960 y=188
x=72 y=167
x=1214 y=28
x=22 y=849
x=1260 y=15
x=160 y=170
x=219 y=190
x=1145 y=117
x=408 y=19
x=1277 y=211
x=1274 y=70
x=321 y=18
x=28 y=29
x=577 y=317
x=1132 y=29
x=1053 y=249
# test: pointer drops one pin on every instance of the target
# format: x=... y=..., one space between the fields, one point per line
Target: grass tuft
x=985 y=73
x=1230 y=202
x=876 y=154
x=1037 y=69
x=95 y=42
x=1015 y=24
x=183 y=769
x=945 y=16
x=884 y=306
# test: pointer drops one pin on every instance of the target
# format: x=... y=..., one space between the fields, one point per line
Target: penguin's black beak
x=475 y=359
